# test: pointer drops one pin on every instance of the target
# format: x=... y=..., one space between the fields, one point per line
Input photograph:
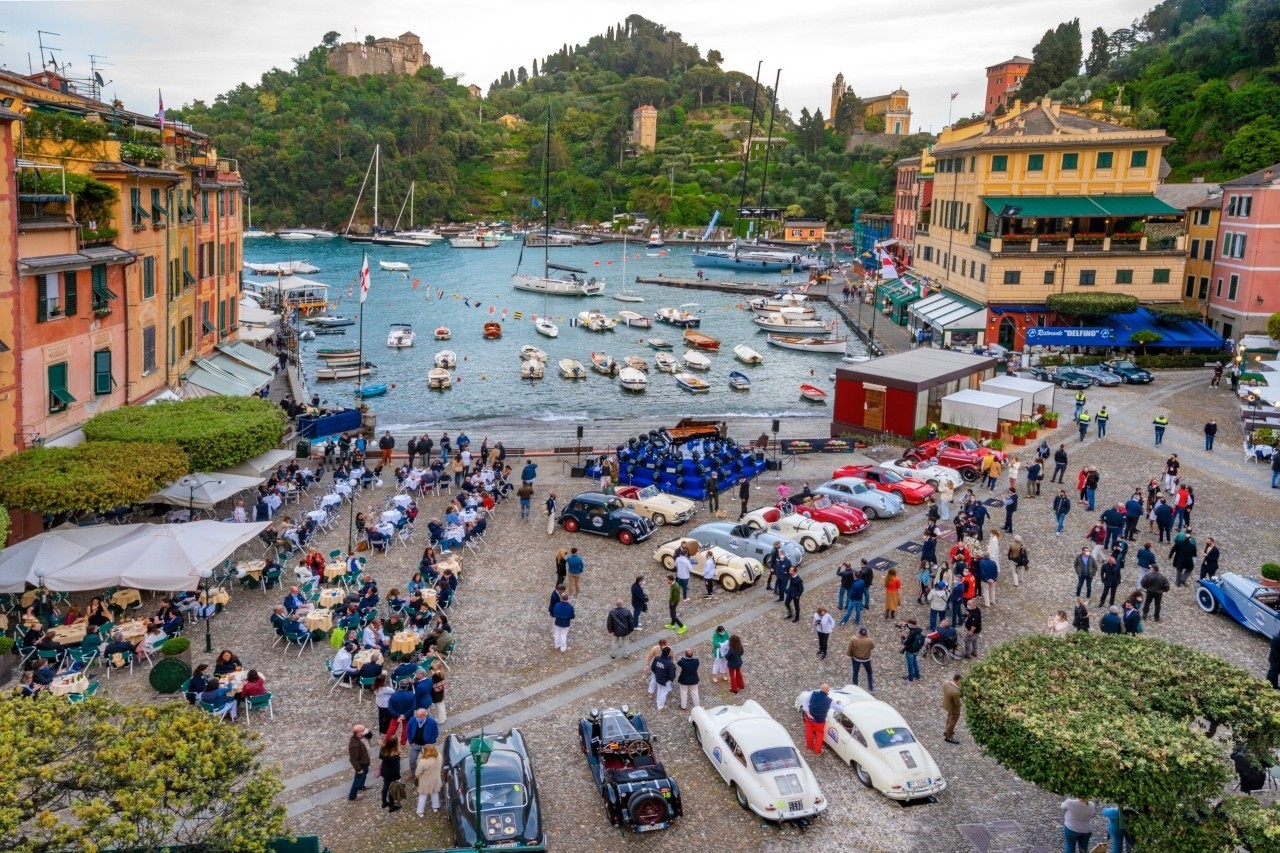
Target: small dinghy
x=333 y=352
x=377 y=389
x=666 y=362
x=636 y=363
x=443 y=334
x=529 y=351
x=739 y=381
x=307 y=335
x=492 y=330
x=394 y=266
x=531 y=369
x=747 y=355
x=446 y=358
x=692 y=384
x=696 y=360
x=628 y=296
x=603 y=363
x=571 y=368
x=699 y=340
x=344 y=372
x=658 y=343
x=632 y=379
x=813 y=394
x=634 y=319
x=438 y=379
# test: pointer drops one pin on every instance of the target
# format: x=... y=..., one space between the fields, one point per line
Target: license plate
x=795 y=806
x=651 y=827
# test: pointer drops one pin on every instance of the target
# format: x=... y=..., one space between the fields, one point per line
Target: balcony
x=1079 y=244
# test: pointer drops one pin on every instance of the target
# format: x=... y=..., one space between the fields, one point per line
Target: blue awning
x=1018 y=309
x=1190 y=334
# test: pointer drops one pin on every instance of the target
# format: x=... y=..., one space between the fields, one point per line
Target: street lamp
x=43 y=611
x=1252 y=399
x=480 y=747
x=191 y=484
x=206 y=578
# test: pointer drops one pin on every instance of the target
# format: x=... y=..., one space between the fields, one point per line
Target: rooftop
x=1046 y=124
x=918 y=369
x=1017 y=60
x=1183 y=196
x=1261 y=178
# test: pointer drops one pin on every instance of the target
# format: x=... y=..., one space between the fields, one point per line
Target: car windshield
x=1126 y=365
x=820 y=502
x=886 y=738
x=890 y=476
x=860 y=489
x=500 y=795
x=647 y=492
x=968 y=444
x=774 y=758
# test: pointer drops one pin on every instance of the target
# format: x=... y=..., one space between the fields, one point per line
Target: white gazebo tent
x=980 y=409
x=1032 y=391
x=142 y=556
x=261 y=464
x=203 y=490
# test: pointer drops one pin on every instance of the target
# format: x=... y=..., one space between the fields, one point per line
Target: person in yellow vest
x=1101 y=419
x=1161 y=422
x=1082 y=420
x=1080 y=401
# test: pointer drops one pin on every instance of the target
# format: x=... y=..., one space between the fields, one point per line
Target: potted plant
x=177 y=647
x=6 y=660
x=1051 y=419
x=996 y=444
x=174 y=667
x=1271 y=575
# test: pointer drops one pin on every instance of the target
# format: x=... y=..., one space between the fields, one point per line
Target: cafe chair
x=76 y=698
x=128 y=661
x=257 y=703
x=334 y=675
x=366 y=686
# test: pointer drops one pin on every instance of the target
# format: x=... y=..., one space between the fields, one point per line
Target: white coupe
x=925 y=473
x=732 y=571
x=756 y=757
x=657 y=506
x=809 y=533
x=877 y=743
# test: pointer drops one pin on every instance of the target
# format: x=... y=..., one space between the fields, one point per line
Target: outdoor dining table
x=334 y=570
x=235 y=680
x=405 y=642
x=331 y=596
x=125 y=597
x=402 y=500
x=342 y=489
x=363 y=657
x=74 y=682
x=250 y=568
x=319 y=620
x=391 y=516
x=317 y=515
x=331 y=500
x=453 y=563
x=69 y=635
x=220 y=596
x=133 y=630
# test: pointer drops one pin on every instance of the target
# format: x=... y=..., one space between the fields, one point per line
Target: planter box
x=1051 y=423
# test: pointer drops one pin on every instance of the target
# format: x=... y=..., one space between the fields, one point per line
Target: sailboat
x=374 y=166
x=567 y=283
x=251 y=232
x=407 y=239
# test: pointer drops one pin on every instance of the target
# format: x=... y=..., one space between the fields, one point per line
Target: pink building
x=1246 y=268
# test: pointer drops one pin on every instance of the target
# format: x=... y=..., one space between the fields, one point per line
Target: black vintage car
x=636 y=789
x=605 y=515
x=509 y=810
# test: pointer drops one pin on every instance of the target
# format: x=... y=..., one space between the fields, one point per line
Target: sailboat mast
x=746 y=154
x=546 y=198
x=768 y=142
x=412 y=184
x=377 y=155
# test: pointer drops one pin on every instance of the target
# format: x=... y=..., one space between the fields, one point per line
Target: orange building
x=1003 y=79
x=10 y=327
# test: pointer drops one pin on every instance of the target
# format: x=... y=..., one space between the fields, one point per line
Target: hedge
x=215 y=432
x=97 y=475
x=1115 y=719
x=1091 y=304
x=1176 y=312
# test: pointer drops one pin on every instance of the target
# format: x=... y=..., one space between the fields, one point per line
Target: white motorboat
x=655 y=239
x=329 y=321
x=446 y=358
x=297 y=236
x=829 y=345
x=635 y=362
x=438 y=379
x=676 y=317
x=658 y=343
x=529 y=351
x=779 y=301
x=747 y=355
x=666 y=362
x=474 y=240
x=306 y=335
x=443 y=333
x=571 y=368
x=792 y=324
x=394 y=266
x=634 y=319
x=344 y=372
x=544 y=327
x=594 y=320
x=567 y=283
x=280 y=268
x=628 y=296
x=696 y=360
x=531 y=369
x=692 y=384
x=304 y=234
x=401 y=336
x=632 y=379
x=603 y=363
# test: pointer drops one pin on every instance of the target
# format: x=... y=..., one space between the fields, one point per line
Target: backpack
x=337 y=637
x=915 y=642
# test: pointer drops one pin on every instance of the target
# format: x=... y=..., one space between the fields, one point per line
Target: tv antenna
x=96 y=83
x=53 y=62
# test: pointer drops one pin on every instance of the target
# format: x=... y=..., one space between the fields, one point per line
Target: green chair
x=335 y=554
x=128 y=661
x=76 y=698
x=257 y=703
x=366 y=684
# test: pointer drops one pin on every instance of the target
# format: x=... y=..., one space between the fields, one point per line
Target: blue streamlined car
x=1243 y=599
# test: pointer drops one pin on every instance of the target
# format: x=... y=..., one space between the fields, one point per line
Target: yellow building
x=1046 y=201
x=894 y=108
x=804 y=230
x=10 y=345
x=509 y=121
x=644 y=128
x=1202 y=231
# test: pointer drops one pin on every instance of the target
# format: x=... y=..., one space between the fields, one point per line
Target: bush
x=6 y=645
x=1091 y=304
x=97 y=475
x=1273 y=326
x=174 y=646
x=1271 y=571
x=215 y=432
x=1175 y=361
x=1175 y=312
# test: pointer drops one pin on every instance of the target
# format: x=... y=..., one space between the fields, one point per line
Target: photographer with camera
x=912 y=643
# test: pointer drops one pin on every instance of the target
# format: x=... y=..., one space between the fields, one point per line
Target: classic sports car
x=732 y=571
x=887 y=480
x=925 y=473
x=1045 y=375
x=1100 y=373
x=636 y=789
x=847 y=519
x=753 y=753
x=1130 y=372
x=604 y=515
x=873 y=739
x=958 y=452
x=509 y=810
x=812 y=535
x=659 y=507
x=742 y=540
x=1073 y=377
x=1243 y=599
x=859 y=493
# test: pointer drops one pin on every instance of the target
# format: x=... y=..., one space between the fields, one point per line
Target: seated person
x=173 y=623
x=279 y=616
x=254 y=685
x=295 y=602
x=394 y=625
x=189 y=603
x=439 y=640
x=416 y=582
x=450 y=579
x=294 y=630
x=369 y=669
x=48 y=643
x=350 y=618
x=219 y=698
x=198 y=684
x=406 y=669
x=374 y=637
x=342 y=662
x=92 y=641
x=118 y=645
x=165 y=604
x=354 y=564
x=97 y=614
x=72 y=615
x=436 y=529
x=453 y=537
x=395 y=601
x=43 y=675
x=227 y=662
x=315 y=562
x=361 y=523
x=946 y=635
x=368 y=602
x=378 y=540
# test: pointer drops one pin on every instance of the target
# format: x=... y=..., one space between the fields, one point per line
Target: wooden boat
x=692 y=383
x=636 y=363
x=528 y=351
x=571 y=368
x=632 y=379
x=603 y=363
x=747 y=355
x=349 y=361
x=628 y=296
x=377 y=389
x=594 y=320
x=699 y=340
x=531 y=369
x=667 y=362
x=438 y=379
x=446 y=358
x=634 y=319
x=544 y=326
x=394 y=266
x=787 y=322
x=659 y=343
x=739 y=381
x=779 y=301
x=813 y=394
x=331 y=352
x=401 y=336
x=443 y=334
x=676 y=317
x=829 y=345
x=344 y=372
x=696 y=360
x=492 y=330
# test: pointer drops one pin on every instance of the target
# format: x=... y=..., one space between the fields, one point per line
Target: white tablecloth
x=317 y=515
x=343 y=489
x=391 y=516
x=402 y=500
x=387 y=530
x=332 y=500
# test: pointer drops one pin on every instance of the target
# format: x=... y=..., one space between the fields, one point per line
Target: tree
x=848 y=113
x=1099 y=53
x=1114 y=719
x=1255 y=146
x=100 y=775
x=1261 y=28
x=96 y=475
x=1056 y=59
x=370 y=40
x=715 y=58
x=330 y=39
x=1273 y=326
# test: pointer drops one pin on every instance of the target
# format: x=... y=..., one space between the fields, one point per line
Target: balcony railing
x=1080 y=244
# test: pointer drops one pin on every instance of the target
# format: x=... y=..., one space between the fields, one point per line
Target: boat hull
x=342 y=372
x=834 y=346
x=747 y=355
x=692 y=384
x=704 y=260
x=697 y=340
x=813 y=394
x=557 y=286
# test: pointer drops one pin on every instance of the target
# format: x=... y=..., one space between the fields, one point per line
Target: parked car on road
x=812 y=535
x=1245 y=600
x=1072 y=377
x=732 y=571
x=1100 y=374
x=847 y=519
x=740 y=539
x=861 y=494
x=604 y=515
x=509 y=810
x=638 y=792
x=888 y=480
x=1130 y=372
x=657 y=506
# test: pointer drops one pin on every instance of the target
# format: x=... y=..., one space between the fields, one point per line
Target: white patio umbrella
x=203 y=490
x=50 y=551
x=259 y=465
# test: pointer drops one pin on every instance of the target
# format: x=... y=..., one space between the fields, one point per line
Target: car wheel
x=870 y=512
x=626 y=537
x=658 y=519
x=809 y=544
x=740 y=797
x=647 y=808
x=729 y=582
x=1208 y=603
x=863 y=776
x=669 y=562
x=571 y=525
x=697 y=733
x=969 y=474
x=933 y=483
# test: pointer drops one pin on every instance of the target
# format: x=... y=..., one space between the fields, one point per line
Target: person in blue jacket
x=421 y=690
x=402 y=703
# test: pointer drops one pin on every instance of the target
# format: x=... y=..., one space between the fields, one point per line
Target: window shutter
x=42 y=301
x=69 y=278
x=102 y=372
x=98 y=278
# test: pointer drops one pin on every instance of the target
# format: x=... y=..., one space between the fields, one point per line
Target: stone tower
x=837 y=89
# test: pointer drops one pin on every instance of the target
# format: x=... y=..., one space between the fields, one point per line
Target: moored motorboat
x=377 y=389
x=779 y=301
x=789 y=321
x=696 y=360
x=529 y=351
x=632 y=379
x=628 y=296
x=602 y=363
x=544 y=327
x=348 y=361
x=700 y=340
x=666 y=362
x=329 y=321
x=330 y=352
x=438 y=379
x=655 y=239
x=634 y=319
x=474 y=240
x=826 y=345
x=676 y=317
x=446 y=358
x=443 y=333
x=492 y=330
x=747 y=355
x=658 y=343
x=344 y=372
x=594 y=320
x=531 y=369
x=401 y=336
x=813 y=394
x=739 y=381
x=571 y=368
x=636 y=363
x=692 y=383
x=394 y=266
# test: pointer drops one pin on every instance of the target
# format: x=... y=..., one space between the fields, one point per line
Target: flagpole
x=364 y=292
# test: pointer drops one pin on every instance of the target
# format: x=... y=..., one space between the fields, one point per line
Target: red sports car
x=849 y=519
x=887 y=480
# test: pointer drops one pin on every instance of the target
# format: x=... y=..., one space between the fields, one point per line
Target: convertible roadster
x=637 y=791
x=740 y=539
x=658 y=506
x=1243 y=599
x=810 y=534
x=886 y=479
x=732 y=571
x=847 y=519
x=858 y=493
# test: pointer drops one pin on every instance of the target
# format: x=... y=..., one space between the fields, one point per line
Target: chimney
x=1268 y=175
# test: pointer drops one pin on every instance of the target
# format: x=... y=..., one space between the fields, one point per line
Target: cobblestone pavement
x=505 y=671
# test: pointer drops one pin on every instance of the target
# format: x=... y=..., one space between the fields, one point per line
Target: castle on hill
x=400 y=55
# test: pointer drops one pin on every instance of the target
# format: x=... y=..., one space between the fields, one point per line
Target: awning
x=223 y=375
x=949 y=312
x=255 y=315
x=261 y=464
x=1190 y=334
x=1074 y=206
x=980 y=409
x=250 y=356
x=255 y=334
x=1031 y=391
x=203 y=490
x=83 y=259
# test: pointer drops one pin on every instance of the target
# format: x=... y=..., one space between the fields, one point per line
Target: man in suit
x=422 y=730
x=952 y=703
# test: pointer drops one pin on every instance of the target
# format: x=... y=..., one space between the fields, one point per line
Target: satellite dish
x=98 y=77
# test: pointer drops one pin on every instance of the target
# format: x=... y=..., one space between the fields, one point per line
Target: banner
x=818 y=445
x=1060 y=336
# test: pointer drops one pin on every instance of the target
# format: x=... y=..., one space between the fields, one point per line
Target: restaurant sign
x=1063 y=336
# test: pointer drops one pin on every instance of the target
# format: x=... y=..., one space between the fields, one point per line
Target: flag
x=160 y=115
x=518 y=315
x=888 y=269
x=364 y=278
x=955 y=95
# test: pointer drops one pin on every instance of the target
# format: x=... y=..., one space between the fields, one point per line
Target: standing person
x=845 y=574
x=1132 y=514
x=358 y=754
x=733 y=660
x=1132 y=617
x=744 y=495
x=868 y=576
x=1060 y=461
x=385 y=445
x=562 y=614
x=1061 y=507
x=1273 y=662
x=688 y=679
x=684 y=569
x=411 y=448
x=1010 y=507
x=562 y=567
x=1110 y=576
x=1081 y=399
x=551 y=513
x=912 y=643
x=719 y=648
x=853 y=603
x=1077 y=824
x=709 y=573
x=1209 y=565
x=1082 y=421
x=1154 y=585
x=427 y=772
x=781 y=571
x=946 y=494
x=1161 y=423
x=1035 y=473
x=795 y=589
x=1086 y=568
x=575 y=567
x=1015 y=468
x=816 y=708
x=1210 y=433
x=952 y=703
x=619 y=624
x=1080 y=616
x=1164 y=520
x=525 y=494
x=713 y=492
x=823 y=624
x=892 y=593
x=664 y=676
x=422 y=730
x=1183 y=555
x=1171 y=468
x=1101 y=419
x=674 y=598
x=425 y=444
x=1275 y=470
x=1020 y=558
x=937 y=604
x=860 y=648
x=972 y=629
x=390 y=771
x=639 y=601
x=988 y=574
